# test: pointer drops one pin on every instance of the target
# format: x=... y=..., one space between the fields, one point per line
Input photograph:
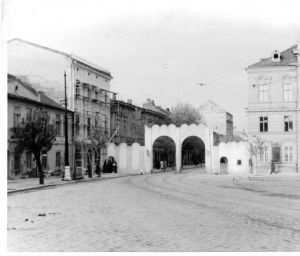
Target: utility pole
x=67 y=165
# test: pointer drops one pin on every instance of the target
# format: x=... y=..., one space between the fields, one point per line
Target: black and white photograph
x=150 y=126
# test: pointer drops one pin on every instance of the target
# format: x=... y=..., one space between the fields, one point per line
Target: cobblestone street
x=189 y=211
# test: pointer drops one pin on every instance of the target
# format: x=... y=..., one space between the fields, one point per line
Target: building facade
x=273 y=108
x=22 y=101
x=218 y=119
x=88 y=92
x=128 y=121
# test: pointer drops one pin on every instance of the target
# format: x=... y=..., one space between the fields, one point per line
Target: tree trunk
x=39 y=166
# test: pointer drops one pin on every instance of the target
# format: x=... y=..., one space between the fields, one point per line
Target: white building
x=273 y=108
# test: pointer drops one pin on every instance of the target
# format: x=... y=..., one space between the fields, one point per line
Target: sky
x=164 y=49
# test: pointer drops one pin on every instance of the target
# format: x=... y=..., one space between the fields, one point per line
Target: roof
x=287 y=58
x=210 y=104
x=44 y=99
x=26 y=85
x=73 y=56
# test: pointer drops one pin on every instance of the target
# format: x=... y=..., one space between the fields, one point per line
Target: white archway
x=178 y=135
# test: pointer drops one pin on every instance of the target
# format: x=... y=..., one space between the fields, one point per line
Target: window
x=287 y=90
x=264 y=154
x=57 y=159
x=17 y=159
x=288 y=154
x=96 y=95
x=58 y=125
x=17 y=116
x=89 y=126
x=28 y=159
x=276 y=154
x=288 y=124
x=77 y=89
x=89 y=92
x=29 y=114
x=263 y=90
x=77 y=120
x=239 y=162
x=263 y=124
x=44 y=161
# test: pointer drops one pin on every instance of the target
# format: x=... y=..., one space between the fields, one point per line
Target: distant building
x=128 y=121
x=273 y=108
x=88 y=91
x=22 y=100
x=218 y=119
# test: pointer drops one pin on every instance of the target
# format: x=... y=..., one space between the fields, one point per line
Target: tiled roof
x=287 y=58
x=44 y=99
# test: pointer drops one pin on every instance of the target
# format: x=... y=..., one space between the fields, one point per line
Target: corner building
x=273 y=109
x=88 y=92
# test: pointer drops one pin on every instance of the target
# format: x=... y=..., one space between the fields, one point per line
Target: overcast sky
x=163 y=49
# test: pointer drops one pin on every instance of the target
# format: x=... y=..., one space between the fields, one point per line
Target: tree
x=36 y=134
x=184 y=113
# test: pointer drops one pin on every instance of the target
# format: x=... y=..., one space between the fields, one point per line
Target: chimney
x=39 y=92
x=148 y=100
x=114 y=96
x=129 y=101
x=152 y=103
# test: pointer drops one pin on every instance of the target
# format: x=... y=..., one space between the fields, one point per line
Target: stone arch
x=164 y=149
x=178 y=135
x=193 y=151
x=223 y=165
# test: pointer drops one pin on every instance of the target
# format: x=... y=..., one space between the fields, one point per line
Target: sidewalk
x=14 y=186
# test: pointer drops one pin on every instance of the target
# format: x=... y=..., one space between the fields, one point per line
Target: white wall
x=130 y=159
x=235 y=151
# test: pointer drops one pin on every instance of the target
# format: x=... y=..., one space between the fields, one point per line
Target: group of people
x=163 y=165
x=110 y=165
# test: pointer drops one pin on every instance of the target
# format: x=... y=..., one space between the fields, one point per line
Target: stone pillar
x=178 y=157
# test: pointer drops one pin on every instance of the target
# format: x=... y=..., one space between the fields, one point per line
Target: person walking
x=98 y=171
x=272 y=167
x=165 y=165
x=161 y=165
x=105 y=166
x=115 y=166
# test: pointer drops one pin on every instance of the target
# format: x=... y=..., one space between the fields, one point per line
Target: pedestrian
x=98 y=171
x=89 y=169
x=115 y=166
x=272 y=167
x=105 y=166
x=161 y=165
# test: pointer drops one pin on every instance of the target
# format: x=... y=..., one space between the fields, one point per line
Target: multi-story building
x=22 y=101
x=87 y=86
x=273 y=108
x=128 y=121
x=218 y=119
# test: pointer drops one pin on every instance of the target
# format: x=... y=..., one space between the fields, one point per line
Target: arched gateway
x=178 y=135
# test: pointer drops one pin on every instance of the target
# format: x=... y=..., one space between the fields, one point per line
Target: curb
x=68 y=183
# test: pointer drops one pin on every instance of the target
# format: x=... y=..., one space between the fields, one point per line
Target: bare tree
x=184 y=113
x=36 y=134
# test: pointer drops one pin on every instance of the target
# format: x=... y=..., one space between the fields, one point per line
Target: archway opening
x=164 y=149
x=193 y=153
x=223 y=165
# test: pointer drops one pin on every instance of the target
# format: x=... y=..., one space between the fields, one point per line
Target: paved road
x=159 y=212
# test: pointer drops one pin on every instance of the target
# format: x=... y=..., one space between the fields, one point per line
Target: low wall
x=130 y=159
x=238 y=156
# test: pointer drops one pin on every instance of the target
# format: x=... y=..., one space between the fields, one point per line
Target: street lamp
x=67 y=166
